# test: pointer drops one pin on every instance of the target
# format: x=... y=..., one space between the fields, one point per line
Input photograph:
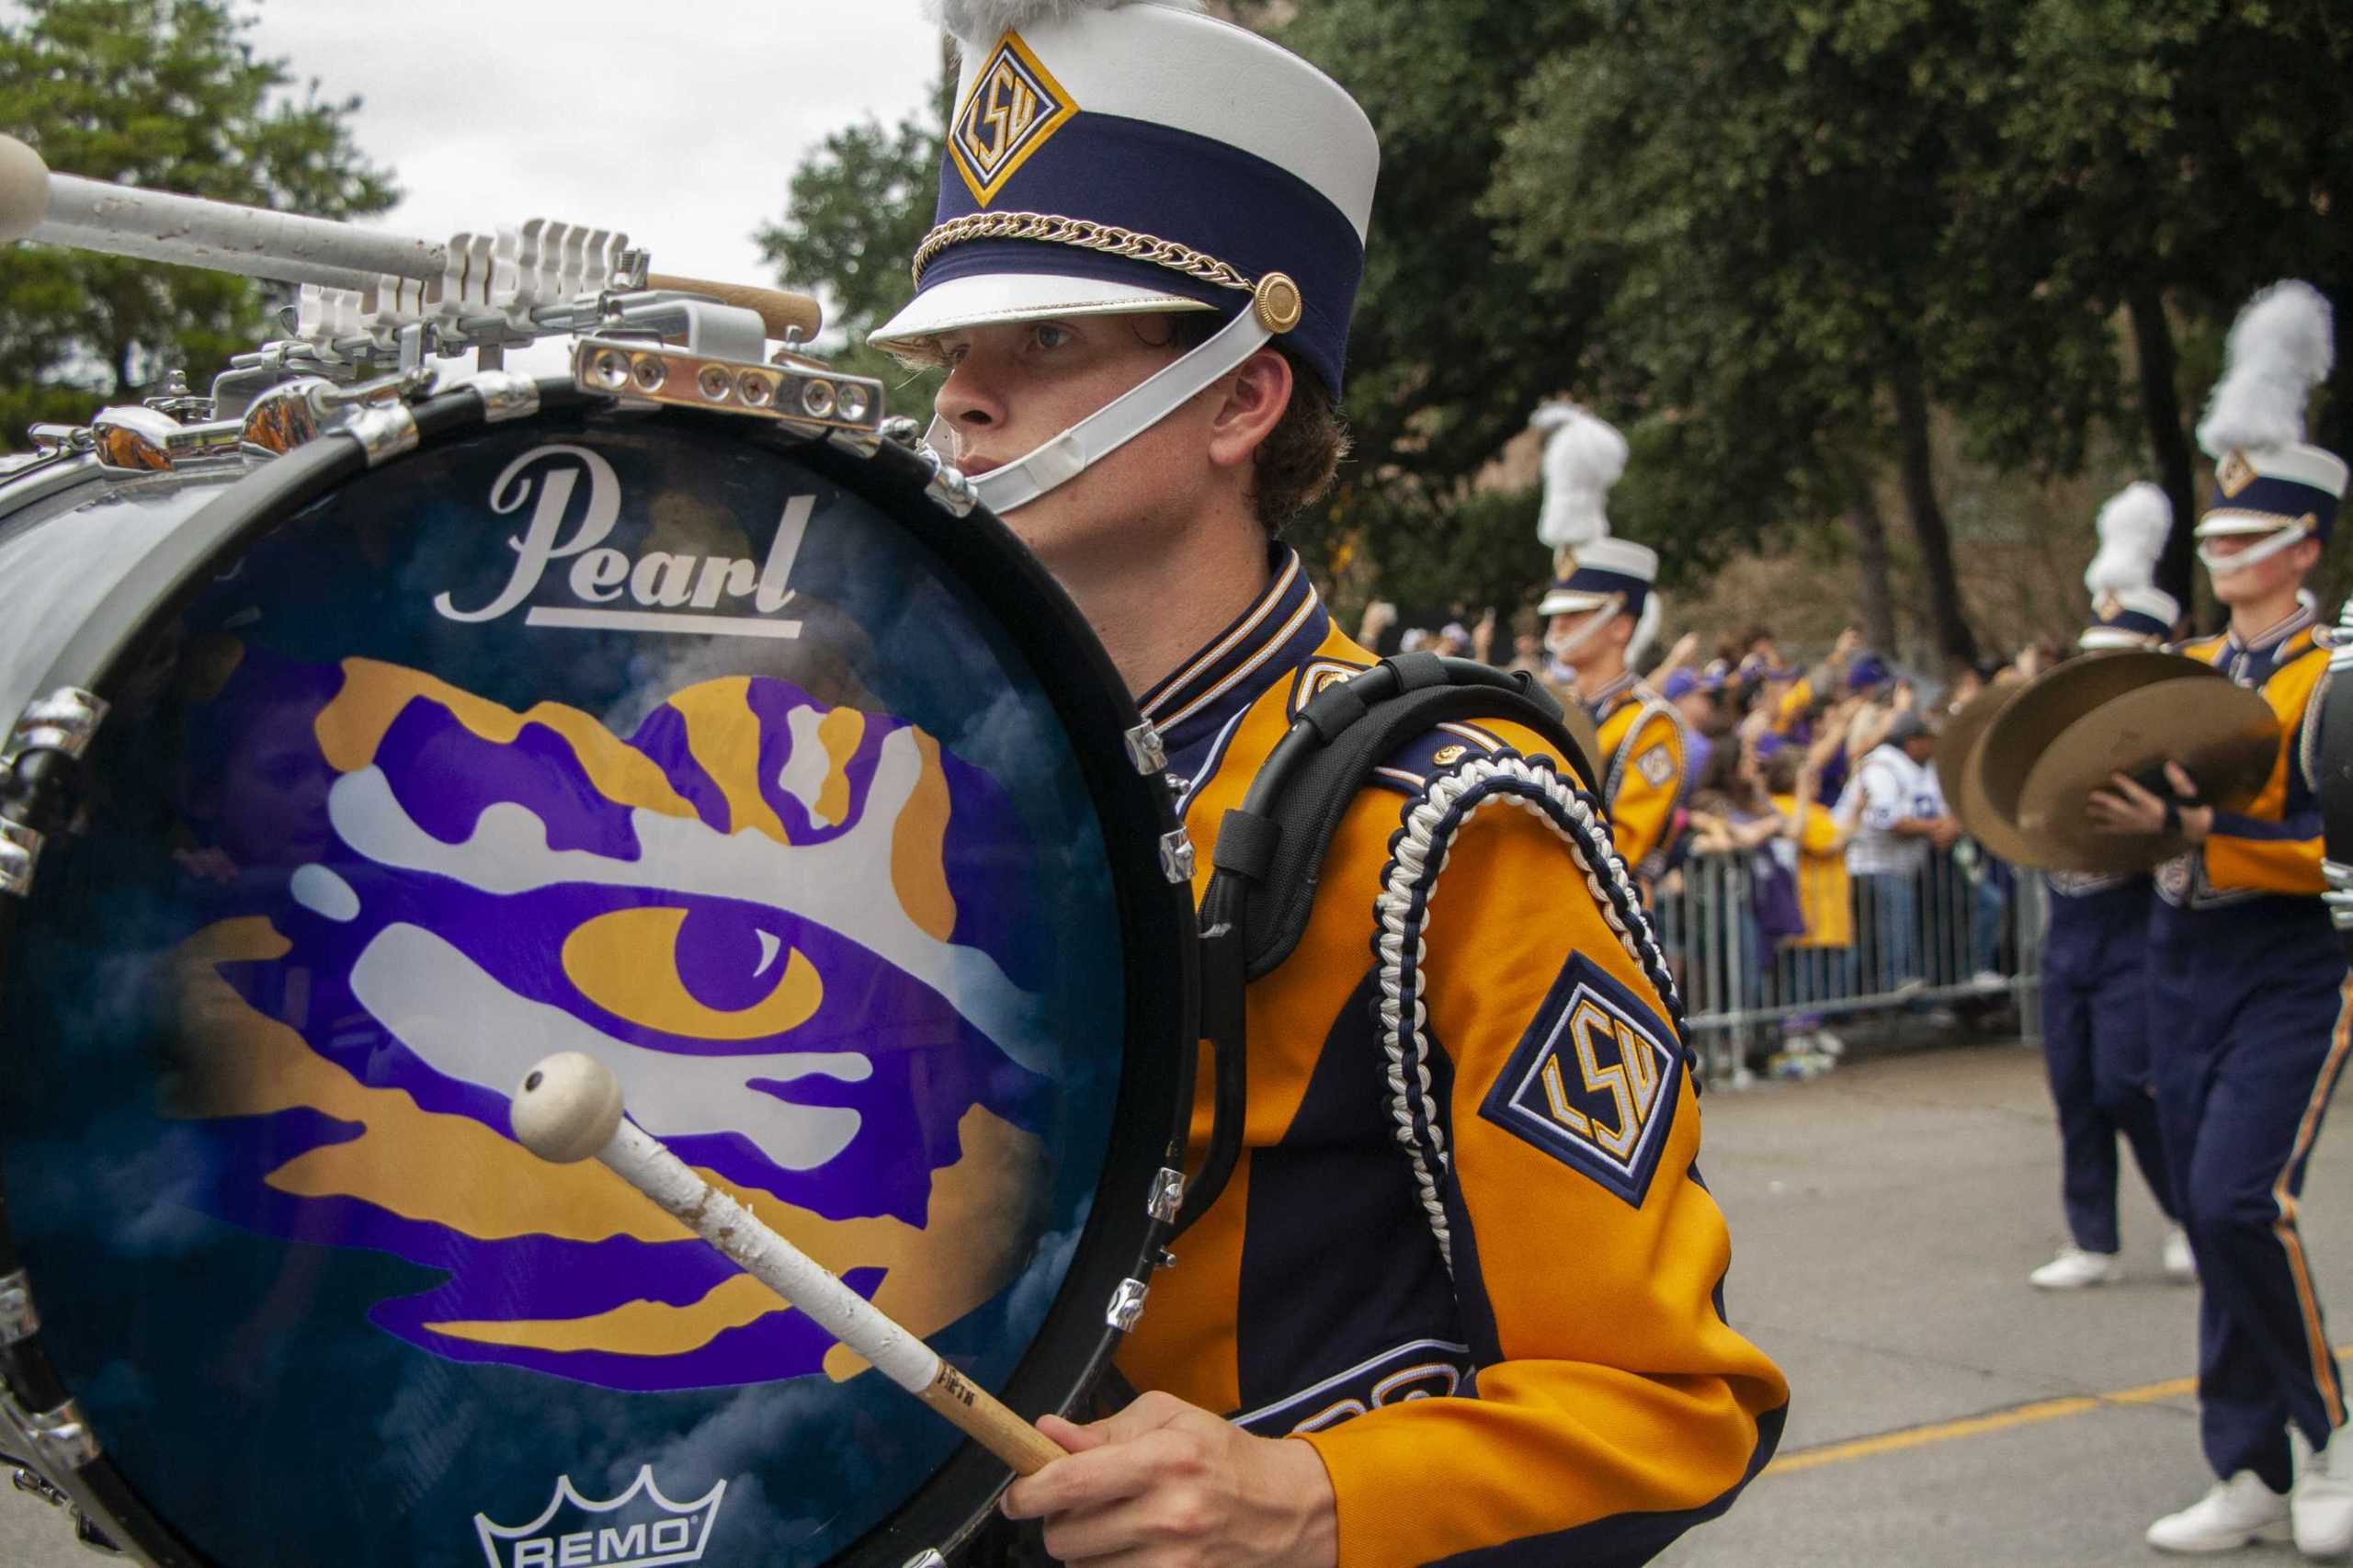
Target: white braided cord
x=1417 y=858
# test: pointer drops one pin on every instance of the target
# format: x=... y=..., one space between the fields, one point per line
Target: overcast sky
x=678 y=122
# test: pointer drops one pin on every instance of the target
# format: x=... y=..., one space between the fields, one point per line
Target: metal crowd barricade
x=1958 y=930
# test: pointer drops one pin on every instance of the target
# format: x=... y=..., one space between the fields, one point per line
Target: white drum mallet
x=569 y=1108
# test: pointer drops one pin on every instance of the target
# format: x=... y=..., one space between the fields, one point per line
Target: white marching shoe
x=2181 y=1263
x=2074 y=1269
x=2232 y=1513
x=2322 y=1504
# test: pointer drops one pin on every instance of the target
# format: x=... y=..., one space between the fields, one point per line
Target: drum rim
x=1122 y=1237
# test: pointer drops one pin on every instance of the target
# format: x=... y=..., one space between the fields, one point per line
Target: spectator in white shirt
x=1900 y=815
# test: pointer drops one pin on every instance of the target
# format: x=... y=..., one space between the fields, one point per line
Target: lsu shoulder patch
x=1592 y=1083
x=1656 y=765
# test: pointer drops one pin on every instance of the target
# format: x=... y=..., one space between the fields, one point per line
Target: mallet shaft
x=641 y=1161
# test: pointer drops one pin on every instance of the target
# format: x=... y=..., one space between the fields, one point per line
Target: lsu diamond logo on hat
x=639 y=1528
x=1015 y=107
x=2233 y=474
x=1593 y=1081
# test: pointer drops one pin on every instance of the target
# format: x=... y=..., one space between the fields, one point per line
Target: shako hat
x=2129 y=610
x=1584 y=457
x=1118 y=156
x=2268 y=477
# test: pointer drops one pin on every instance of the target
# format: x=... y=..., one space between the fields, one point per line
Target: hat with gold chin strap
x=2270 y=481
x=1109 y=158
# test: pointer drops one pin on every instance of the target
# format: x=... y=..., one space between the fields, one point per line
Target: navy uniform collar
x=1285 y=624
x=2251 y=663
x=1611 y=696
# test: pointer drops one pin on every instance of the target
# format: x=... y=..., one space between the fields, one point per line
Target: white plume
x=2132 y=529
x=980 y=23
x=1582 y=457
x=2281 y=347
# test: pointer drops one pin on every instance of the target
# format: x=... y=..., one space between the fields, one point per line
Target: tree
x=2185 y=153
x=854 y=211
x=166 y=94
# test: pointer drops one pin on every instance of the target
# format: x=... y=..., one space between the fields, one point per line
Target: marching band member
x=1150 y=234
x=2243 y=962
x=1602 y=615
x=2095 y=979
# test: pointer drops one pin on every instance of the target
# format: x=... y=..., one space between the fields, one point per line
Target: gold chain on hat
x=1108 y=238
x=1274 y=297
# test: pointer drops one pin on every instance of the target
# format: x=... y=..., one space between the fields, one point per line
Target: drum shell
x=146 y=545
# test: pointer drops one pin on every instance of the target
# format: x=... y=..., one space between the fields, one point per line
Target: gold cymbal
x=2056 y=699
x=1955 y=745
x=2224 y=737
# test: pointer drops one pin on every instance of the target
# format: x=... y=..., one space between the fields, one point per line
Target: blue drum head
x=624 y=735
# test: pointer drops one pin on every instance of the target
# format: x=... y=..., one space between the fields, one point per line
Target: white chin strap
x=2220 y=565
x=1120 y=421
x=1563 y=647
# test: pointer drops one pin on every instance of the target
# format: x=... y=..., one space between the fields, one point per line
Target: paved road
x=1885 y=1219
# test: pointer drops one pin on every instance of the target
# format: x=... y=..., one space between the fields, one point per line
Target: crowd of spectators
x=1817 y=778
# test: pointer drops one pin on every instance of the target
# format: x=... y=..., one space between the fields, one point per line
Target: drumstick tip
x=567 y=1107
x=24 y=189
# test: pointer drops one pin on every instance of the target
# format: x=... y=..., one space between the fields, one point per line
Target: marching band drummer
x=2243 y=965
x=1150 y=234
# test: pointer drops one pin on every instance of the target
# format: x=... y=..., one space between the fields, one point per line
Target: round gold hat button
x=1277 y=301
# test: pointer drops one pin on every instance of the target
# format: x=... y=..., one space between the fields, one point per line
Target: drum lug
x=18 y=1321
x=1167 y=1195
x=1127 y=1304
x=901 y=430
x=19 y=855
x=506 y=395
x=384 y=430
x=1176 y=856
x=1145 y=751
x=61 y=1436
x=953 y=492
x=62 y=721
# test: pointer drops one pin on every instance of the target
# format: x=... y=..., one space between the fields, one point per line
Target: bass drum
x=732 y=757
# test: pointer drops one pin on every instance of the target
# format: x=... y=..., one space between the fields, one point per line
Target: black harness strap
x=1269 y=852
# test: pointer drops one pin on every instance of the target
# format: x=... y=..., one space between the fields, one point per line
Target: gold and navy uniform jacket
x=2266 y=859
x=1466 y=1252
x=1641 y=760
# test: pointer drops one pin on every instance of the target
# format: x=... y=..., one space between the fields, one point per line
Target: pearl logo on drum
x=639 y=1528
x=657 y=591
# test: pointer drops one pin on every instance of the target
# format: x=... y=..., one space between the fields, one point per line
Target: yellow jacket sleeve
x=1614 y=1405
x=1647 y=787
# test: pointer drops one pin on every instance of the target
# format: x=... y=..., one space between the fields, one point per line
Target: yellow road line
x=1978 y=1425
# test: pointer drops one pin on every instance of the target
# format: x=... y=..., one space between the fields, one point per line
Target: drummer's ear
x=1256 y=396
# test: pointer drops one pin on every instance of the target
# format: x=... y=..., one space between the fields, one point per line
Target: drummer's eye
x=1052 y=335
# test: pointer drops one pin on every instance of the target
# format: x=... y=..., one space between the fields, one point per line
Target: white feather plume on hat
x=2279 y=348
x=983 y=22
x=1582 y=457
x=2132 y=528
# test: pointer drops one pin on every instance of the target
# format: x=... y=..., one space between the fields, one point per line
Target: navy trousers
x=2253 y=1039
x=2096 y=1049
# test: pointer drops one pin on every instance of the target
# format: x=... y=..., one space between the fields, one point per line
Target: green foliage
x=1737 y=229
x=856 y=208
x=166 y=94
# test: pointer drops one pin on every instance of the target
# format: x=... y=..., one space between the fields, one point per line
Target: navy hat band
x=1596 y=580
x=1159 y=182
x=2289 y=500
x=2135 y=622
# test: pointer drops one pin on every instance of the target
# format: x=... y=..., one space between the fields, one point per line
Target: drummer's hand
x=1163 y=1484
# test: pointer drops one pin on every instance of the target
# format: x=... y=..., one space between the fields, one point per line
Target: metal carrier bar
x=157 y=225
